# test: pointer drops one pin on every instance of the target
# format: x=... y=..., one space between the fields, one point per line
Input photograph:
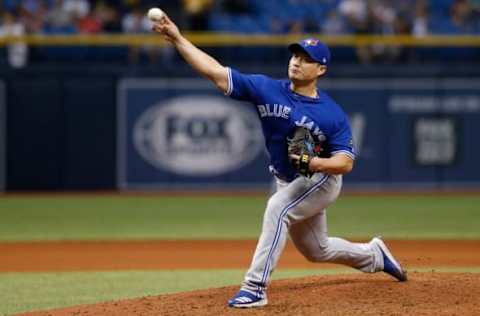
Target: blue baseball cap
x=318 y=51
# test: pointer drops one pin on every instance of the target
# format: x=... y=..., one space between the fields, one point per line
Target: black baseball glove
x=301 y=149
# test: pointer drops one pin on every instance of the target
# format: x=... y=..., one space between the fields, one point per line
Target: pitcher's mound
x=429 y=293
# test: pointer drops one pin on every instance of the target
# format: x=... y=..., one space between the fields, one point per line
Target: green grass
x=128 y=217
x=70 y=217
x=37 y=291
x=22 y=292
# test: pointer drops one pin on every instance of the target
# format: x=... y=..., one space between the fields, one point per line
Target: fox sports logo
x=198 y=135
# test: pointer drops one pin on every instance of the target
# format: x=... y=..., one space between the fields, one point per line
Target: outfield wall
x=420 y=132
x=91 y=128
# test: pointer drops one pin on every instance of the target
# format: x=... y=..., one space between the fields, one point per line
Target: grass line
x=39 y=291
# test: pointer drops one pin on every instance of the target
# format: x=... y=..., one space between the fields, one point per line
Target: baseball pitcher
x=309 y=141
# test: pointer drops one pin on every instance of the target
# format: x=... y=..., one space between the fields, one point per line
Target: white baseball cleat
x=390 y=265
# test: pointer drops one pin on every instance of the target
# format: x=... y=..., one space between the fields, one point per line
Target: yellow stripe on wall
x=235 y=39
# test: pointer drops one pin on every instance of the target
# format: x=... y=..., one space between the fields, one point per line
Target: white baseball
x=155 y=14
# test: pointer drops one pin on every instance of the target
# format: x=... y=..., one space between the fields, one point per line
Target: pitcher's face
x=303 y=68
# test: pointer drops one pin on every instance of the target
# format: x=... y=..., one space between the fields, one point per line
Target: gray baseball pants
x=298 y=208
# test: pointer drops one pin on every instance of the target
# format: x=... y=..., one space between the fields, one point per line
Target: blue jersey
x=281 y=110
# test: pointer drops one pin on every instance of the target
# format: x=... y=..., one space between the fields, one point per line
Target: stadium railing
x=229 y=39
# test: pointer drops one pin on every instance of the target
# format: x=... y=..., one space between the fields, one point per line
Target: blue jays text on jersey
x=281 y=110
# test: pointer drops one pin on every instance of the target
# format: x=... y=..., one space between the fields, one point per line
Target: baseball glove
x=301 y=149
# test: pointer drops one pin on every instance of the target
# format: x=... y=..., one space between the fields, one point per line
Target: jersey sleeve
x=245 y=87
x=342 y=140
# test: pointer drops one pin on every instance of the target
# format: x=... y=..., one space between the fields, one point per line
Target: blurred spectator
x=131 y=4
x=32 y=6
x=402 y=25
x=420 y=20
x=328 y=16
x=384 y=19
x=17 y=53
x=109 y=17
x=279 y=16
x=295 y=27
x=333 y=17
x=334 y=25
x=357 y=15
x=475 y=6
x=89 y=24
x=77 y=9
x=276 y=26
x=461 y=17
x=32 y=15
x=58 y=19
x=136 y=22
x=197 y=13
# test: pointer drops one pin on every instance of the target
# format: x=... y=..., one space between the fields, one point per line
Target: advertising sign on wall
x=185 y=132
x=419 y=132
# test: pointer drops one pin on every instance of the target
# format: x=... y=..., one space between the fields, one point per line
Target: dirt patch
x=358 y=294
x=154 y=255
x=425 y=294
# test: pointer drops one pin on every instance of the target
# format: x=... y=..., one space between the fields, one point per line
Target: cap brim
x=295 y=47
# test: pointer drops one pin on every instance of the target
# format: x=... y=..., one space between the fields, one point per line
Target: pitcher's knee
x=318 y=257
x=311 y=257
x=322 y=253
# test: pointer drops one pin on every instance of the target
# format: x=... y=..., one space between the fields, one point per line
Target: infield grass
x=120 y=217
x=37 y=291
x=22 y=292
x=117 y=217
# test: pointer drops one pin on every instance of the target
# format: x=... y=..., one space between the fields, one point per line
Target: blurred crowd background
x=249 y=16
x=328 y=17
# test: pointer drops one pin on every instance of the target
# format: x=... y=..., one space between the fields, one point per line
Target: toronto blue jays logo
x=314 y=128
x=310 y=42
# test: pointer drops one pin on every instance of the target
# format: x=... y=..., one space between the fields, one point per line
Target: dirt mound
x=429 y=293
